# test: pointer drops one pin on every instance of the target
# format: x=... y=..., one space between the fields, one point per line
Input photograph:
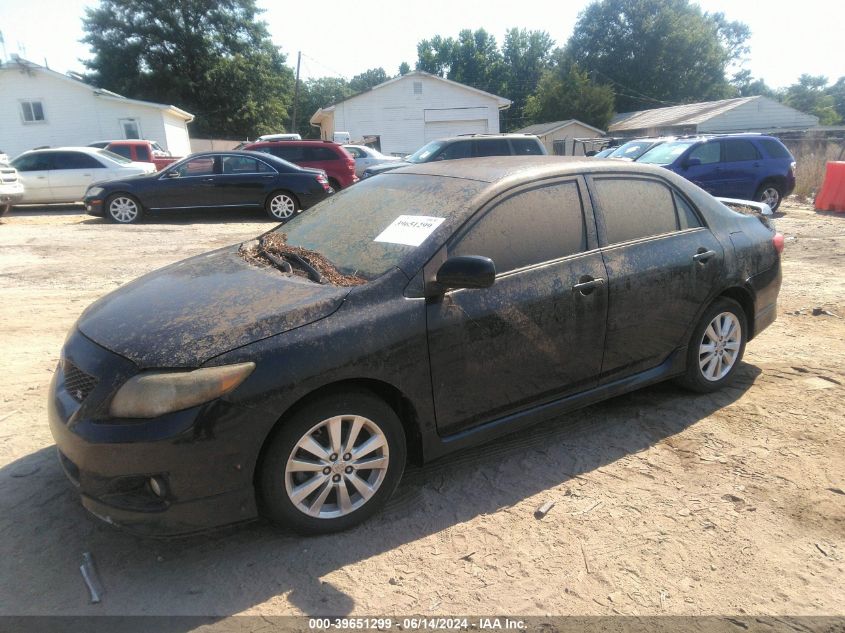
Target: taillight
x=777 y=241
x=321 y=178
x=350 y=162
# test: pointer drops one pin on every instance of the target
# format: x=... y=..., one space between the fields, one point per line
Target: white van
x=342 y=137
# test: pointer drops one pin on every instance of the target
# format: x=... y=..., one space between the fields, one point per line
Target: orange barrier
x=832 y=195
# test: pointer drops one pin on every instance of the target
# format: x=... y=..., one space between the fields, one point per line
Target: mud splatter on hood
x=186 y=313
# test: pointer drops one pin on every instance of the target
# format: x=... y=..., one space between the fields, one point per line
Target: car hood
x=187 y=313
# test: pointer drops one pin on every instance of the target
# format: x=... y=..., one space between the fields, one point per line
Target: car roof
x=464 y=137
x=497 y=168
x=286 y=141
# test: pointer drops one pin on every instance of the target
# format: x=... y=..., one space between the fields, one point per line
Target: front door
x=708 y=173
x=190 y=185
x=533 y=336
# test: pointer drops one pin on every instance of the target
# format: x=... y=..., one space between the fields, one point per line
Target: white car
x=11 y=188
x=367 y=157
x=62 y=174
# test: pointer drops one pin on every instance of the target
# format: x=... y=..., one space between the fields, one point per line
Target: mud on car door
x=538 y=332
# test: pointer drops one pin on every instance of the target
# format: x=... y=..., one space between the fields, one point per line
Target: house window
x=131 y=128
x=32 y=111
x=417 y=87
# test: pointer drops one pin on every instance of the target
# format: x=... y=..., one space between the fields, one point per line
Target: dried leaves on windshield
x=275 y=245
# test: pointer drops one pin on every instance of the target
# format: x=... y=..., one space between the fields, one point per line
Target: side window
x=202 y=166
x=122 y=150
x=687 y=219
x=33 y=162
x=320 y=154
x=32 y=111
x=528 y=228
x=356 y=153
x=707 y=153
x=739 y=150
x=293 y=154
x=635 y=208
x=492 y=147
x=526 y=147
x=144 y=154
x=75 y=160
x=459 y=149
x=774 y=148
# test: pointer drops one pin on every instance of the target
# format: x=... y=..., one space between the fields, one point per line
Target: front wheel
x=770 y=194
x=281 y=206
x=333 y=464
x=123 y=209
x=716 y=347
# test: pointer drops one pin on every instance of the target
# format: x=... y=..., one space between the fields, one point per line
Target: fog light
x=158 y=487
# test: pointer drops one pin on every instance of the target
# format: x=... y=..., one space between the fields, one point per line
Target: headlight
x=94 y=191
x=156 y=393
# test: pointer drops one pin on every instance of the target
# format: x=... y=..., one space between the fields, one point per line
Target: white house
x=404 y=113
x=743 y=114
x=39 y=106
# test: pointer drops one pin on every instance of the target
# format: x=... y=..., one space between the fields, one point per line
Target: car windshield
x=631 y=150
x=665 y=154
x=425 y=153
x=117 y=158
x=344 y=227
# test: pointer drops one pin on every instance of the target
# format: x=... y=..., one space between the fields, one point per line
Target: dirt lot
x=666 y=502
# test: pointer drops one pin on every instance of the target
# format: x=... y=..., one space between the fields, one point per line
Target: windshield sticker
x=411 y=230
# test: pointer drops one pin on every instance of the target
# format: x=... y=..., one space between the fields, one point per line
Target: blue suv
x=746 y=166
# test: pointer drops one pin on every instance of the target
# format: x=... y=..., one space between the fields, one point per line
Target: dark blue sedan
x=212 y=180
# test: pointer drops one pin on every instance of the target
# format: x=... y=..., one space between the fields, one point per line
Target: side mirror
x=692 y=162
x=172 y=174
x=466 y=271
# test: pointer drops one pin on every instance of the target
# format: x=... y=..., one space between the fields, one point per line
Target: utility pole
x=295 y=93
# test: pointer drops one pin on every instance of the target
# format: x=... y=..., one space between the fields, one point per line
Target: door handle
x=587 y=284
x=702 y=256
x=210 y=179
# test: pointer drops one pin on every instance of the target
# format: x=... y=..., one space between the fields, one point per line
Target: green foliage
x=404 y=68
x=746 y=86
x=473 y=59
x=213 y=58
x=837 y=91
x=566 y=92
x=368 y=79
x=657 y=52
x=526 y=55
x=315 y=94
x=811 y=95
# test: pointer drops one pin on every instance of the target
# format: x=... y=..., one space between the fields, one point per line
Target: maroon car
x=332 y=158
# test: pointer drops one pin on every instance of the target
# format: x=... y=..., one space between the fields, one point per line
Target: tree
x=746 y=86
x=810 y=95
x=213 y=58
x=472 y=59
x=837 y=91
x=526 y=55
x=404 y=68
x=368 y=79
x=315 y=94
x=566 y=92
x=656 y=52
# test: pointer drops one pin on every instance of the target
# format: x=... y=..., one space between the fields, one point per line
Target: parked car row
x=746 y=166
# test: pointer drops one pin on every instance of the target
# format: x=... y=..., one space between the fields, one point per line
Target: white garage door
x=442 y=129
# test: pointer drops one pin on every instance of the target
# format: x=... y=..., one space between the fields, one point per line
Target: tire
x=770 y=193
x=4 y=209
x=708 y=370
x=123 y=208
x=310 y=499
x=281 y=206
x=334 y=184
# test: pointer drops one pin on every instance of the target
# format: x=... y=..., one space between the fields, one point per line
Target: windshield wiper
x=284 y=261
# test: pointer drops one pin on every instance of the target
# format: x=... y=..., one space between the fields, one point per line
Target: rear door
x=663 y=265
x=742 y=167
x=242 y=181
x=71 y=173
x=532 y=336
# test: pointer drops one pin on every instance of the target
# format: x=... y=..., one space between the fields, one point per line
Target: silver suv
x=467 y=146
x=11 y=188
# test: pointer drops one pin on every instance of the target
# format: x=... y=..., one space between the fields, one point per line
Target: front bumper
x=11 y=197
x=201 y=456
x=94 y=205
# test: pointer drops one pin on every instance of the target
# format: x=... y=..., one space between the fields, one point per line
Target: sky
x=346 y=38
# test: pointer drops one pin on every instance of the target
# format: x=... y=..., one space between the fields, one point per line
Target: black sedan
x=410 y=316
x=212 y=180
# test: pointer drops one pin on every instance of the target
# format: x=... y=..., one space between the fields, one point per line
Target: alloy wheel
x=337 y=466
x=123 y=209
x=282 y=206
x=719 y=347
x=770 y=196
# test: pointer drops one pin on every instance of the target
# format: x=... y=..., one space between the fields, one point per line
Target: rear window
x=320 y=154
x=774 y=148
x=635 y=208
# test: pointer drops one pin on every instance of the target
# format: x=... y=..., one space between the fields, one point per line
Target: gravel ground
x=665 y=502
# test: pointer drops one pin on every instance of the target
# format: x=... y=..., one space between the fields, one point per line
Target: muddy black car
x=412 y=315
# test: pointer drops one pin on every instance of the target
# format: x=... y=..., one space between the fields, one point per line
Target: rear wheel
x=123 y=208
x=770 y=193
x=716 y=347
x=333 y=464
x=334 y=184
x=281 y=206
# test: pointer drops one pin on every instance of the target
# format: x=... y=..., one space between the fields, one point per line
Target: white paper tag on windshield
x=411 y=230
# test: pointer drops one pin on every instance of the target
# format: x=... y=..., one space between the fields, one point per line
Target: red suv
x=338 y=164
